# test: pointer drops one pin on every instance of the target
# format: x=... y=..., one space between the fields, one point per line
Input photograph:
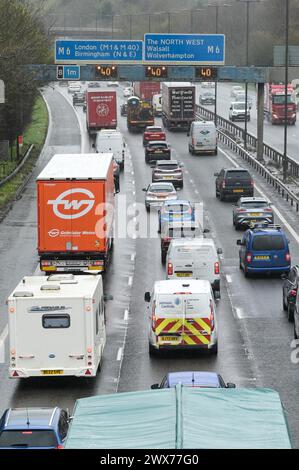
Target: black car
x=289 y=291
x=157 y=150
x=207 y=97
x=234 y=182
x=79 y=99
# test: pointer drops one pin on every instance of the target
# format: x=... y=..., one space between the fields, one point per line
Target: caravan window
x=56 y=321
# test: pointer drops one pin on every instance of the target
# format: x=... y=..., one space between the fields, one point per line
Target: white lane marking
x=239 y=312
x=132 y=173
x=191 y=181
x=119 y=354
x=3 y=338
x=126 y=315
x=133 y=256
x=229 y=278
x=134 y=193
x=130 y=281
x=196 y=191
x=277 y=212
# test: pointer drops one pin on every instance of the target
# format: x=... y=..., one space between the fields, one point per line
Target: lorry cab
x=111 y=140
x=203 y=137
x=56 y=326
x=182 y=315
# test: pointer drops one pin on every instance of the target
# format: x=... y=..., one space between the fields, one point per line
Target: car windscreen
x=240 y=175
x=28 y=438
x=251 y=204
x=268 y=242
x=239 y=106
x=177 y=208
x=280 y=99
x=160 y=189
x=153 y=129
x=167 y=167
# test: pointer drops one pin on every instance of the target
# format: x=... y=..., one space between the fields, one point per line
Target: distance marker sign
x=184 y=49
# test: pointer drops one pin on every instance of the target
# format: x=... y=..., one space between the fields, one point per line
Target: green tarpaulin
x=180 y=418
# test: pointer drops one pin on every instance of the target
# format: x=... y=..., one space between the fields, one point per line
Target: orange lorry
x=75 y=197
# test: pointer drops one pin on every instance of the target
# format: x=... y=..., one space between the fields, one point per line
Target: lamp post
x=216 y=6
x=285 y=144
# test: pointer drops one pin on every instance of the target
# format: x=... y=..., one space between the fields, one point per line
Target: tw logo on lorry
x=72 y=208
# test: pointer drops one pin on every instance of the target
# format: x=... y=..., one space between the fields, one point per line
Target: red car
x=153 y=133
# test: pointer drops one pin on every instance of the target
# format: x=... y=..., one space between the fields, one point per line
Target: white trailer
x=56 y=326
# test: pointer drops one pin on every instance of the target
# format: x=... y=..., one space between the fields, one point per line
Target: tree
x=22 y=42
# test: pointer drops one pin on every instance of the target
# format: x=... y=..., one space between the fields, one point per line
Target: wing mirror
x=216 y=174
x=144 y=189
x=147 y=297
x=284 y=276
x=219 y=251
x=206 y=230
x=155 y=386
x=230 y=385
x=239 y=242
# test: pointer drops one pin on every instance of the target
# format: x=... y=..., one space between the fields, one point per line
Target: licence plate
x=168 y=177
x=238 y=190
x=255 y=214
x=158 y=151
x=261 y=258
x=52 y=372
x=183 y=274
x=169 y=339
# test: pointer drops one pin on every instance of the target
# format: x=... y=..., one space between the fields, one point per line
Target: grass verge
x=35 y=134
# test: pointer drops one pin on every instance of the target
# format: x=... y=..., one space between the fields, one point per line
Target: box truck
x=178 y=105
x=75 y=198
x=56 y=326
x=100 y=110
x=146 y=90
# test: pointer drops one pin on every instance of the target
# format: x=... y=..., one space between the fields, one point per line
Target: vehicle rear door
x=237 y=181
x=269 y=251
x=197 y=322
x=168 y=319
x=51 y=335
x=203 y=263
x=183 y=263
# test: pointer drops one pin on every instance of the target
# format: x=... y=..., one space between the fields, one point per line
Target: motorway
x=254 y=334
x=273 y=134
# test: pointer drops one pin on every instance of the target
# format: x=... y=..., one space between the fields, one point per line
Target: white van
x=157 y=104
x=182 y=315
x=194 y=258
x=202 y=137
x=111 y=140
x=56 y=326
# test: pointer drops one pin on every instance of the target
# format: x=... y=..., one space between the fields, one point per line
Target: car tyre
x=295 y=334
x=152 y=351
x=290 y=313
x=147 y=208
x=163 y=257
x=221 y=196
x=284 y=305
x=214 y=349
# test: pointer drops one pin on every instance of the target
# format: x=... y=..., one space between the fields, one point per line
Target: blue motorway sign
x=79 y=51
x=68 y=72
x=184 y=49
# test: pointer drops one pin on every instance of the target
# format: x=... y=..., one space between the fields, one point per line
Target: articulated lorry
x=178 y=105
x=139 y=114
x=100 y=110
x=75 y=197
x=274 y=103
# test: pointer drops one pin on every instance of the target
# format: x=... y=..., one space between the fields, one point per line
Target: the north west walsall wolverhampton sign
x=171 y=49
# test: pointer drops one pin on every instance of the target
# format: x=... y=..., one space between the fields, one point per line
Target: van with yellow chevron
x=182 y=315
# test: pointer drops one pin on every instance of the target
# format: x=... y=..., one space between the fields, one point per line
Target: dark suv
x=233 y=182
x=157 y=150
x=289 y=291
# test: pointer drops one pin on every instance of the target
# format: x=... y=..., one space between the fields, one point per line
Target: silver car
x=168 y=170
x=251 y=210
x=157 y=193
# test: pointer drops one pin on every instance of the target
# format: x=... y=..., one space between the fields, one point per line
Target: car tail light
x=59 y=447
x=288 y=257
x=166 y=239
x=216 y=268
x=241 y=210
x=212 y=319
x=268 y=209
x=293 y=293
x=170 y=269
x=223 y=184
x=248 y=257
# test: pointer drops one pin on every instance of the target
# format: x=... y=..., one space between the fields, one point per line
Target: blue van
x=264 y=249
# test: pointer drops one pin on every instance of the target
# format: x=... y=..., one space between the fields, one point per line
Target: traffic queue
x=65 y=308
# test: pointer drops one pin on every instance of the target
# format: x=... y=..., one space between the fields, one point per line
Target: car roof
x=267 y=230
x=236 y=168
x=176 y=202
x=199 y=241
x=253 y=199
x=171 y=286
x=20 y=418
x=167 y=162
x=149 y=128
x=195 y=378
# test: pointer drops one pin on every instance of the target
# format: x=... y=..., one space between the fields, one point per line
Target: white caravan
x=56 y=326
